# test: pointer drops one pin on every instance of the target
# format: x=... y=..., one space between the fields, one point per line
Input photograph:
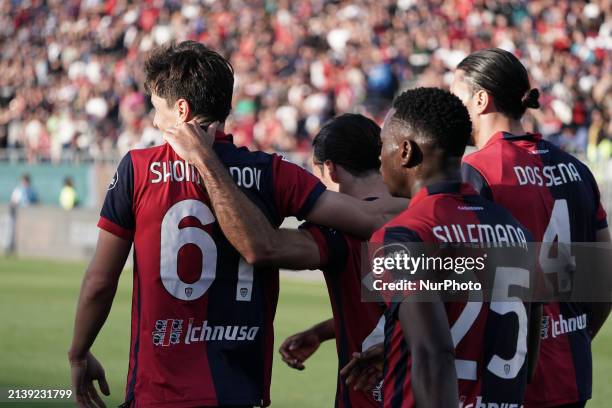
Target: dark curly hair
x=436 y=115
x=503 y=76
x=191 y=71
x=350 y=140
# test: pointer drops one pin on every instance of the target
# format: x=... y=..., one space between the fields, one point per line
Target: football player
x=346 y=155
x=440 y=353
x=550 y=192
x=202 y=314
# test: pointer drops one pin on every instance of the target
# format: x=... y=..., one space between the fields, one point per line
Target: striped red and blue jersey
x=358 y=325
x=556 y=197
x=202 y=317
x=490 y=340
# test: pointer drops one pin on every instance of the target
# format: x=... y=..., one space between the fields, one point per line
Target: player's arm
x=356 y=217
x=97 y=291
x=309 y=247
x=100 y=283
x=286 y=248
x=95 y=300
x=298 y=348
x=241 y=221
x=426 y=330
x=600 y=310
x=334 y=210
x=244 y=225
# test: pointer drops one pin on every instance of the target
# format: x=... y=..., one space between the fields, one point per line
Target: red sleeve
x=109 y=226
x=332 y=244
x=295 y=190
x=319 y=239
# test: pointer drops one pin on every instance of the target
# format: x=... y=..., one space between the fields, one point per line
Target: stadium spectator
x=600 y=141
x=70 y=68
x=24 y=195
x=68 y=197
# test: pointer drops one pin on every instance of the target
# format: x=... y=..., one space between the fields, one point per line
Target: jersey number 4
x=174 y=238
x=558 y=232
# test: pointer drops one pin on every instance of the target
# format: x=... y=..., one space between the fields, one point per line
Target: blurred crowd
x=72 y=71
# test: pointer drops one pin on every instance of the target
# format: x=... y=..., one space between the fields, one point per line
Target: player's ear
x=332 y=170
x=483 y=102
x=411 y=154
x=183 y=110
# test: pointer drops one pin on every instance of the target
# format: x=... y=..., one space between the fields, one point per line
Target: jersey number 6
x=174 y=238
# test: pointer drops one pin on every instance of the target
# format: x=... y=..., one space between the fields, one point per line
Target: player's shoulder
x=490 y=150
x=559 y=155
x=409 y=224
x=427 y=206
x=232 y=155
x=489 y=160
x=151 y=150
x=145 y=154
x=570 y=163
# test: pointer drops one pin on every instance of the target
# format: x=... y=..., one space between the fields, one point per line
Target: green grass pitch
x=37 y=303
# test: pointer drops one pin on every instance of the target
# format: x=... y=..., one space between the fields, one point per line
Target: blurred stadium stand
x=71 y=83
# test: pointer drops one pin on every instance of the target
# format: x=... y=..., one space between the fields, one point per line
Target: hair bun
x=531 y=99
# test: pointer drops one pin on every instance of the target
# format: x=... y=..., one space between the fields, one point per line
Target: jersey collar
x=510 y=137
x=442 y=187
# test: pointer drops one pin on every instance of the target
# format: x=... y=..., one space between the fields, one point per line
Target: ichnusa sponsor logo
x=557 y=327
x=169 y=332
x=204 y=332
x=480 y=404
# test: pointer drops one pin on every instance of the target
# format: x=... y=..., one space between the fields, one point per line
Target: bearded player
x=550 y=192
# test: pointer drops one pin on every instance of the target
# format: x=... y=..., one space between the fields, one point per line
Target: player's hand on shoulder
x=365 y=369
x=84 y=372
x=188 y=139
x=297 y=348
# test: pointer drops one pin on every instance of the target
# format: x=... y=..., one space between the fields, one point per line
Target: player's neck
x=449 y=171
x=365 y=187
x=494 y=123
